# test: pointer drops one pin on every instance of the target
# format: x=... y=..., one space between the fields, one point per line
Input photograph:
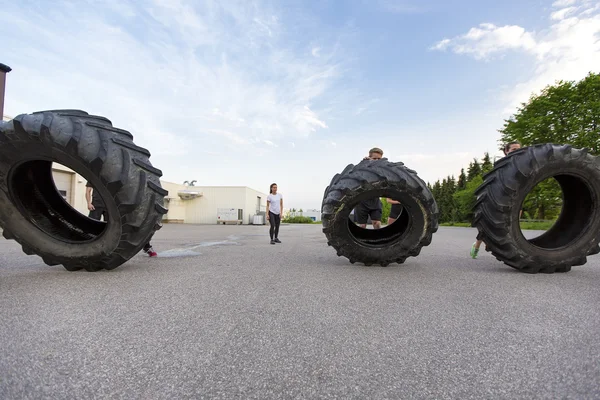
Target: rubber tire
x=36 y=216
x=369 y=178
x=504 y=189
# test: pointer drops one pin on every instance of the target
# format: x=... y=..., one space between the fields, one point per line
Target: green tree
x=450 y=203
x=563 y=113
x=544 y=201
x=436 y=190
x=486 y=165
x=443 y=201
x=474 y=170
x=465 y=199
x=385 y=210
x=443 y=194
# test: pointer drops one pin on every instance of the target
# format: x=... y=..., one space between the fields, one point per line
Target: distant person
x=508 y=148
x=274 y=209
x=372 y=207
x=97 y=209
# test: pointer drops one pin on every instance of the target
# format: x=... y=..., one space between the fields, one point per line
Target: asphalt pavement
x=221 y=313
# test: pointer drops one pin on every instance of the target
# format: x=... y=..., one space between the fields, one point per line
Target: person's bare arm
x=268 y=202
x=281 y=205
x=392 y=201
x=88 y=197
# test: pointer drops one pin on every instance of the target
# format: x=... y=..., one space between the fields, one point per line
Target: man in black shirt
x=371 y=207
x=97 y=209
x=94 y=203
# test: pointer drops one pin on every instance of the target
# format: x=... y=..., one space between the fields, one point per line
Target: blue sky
x=254 y=92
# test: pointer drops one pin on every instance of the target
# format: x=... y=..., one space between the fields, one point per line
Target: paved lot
x=224 y=314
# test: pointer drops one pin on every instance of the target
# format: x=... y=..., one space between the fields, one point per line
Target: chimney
x=4 y=69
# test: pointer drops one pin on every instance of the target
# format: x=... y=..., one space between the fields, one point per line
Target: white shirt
x=274 y=203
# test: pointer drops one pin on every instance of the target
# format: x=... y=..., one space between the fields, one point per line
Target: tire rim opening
x=560 y=206
x=46 y=203
x=394 y=218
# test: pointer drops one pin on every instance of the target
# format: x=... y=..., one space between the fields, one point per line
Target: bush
x=298 y=220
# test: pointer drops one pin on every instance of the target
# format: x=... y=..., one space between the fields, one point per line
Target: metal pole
x=4 y=69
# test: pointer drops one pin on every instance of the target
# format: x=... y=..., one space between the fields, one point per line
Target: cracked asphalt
x=221 y=313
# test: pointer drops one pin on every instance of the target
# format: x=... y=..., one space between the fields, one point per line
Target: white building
x=201 y=204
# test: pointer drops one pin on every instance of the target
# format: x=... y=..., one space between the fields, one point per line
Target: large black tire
x=393 y=243
x=33 y=213
x=575 y=234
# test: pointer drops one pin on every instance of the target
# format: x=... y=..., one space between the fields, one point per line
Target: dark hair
x=507 y=146
x=271 y=187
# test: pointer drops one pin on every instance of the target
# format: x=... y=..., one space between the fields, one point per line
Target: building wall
x=253 y=206
x=203 y=209
x=76 y=195
x=175 y=205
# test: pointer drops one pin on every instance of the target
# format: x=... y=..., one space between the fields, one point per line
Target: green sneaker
x=474 y=251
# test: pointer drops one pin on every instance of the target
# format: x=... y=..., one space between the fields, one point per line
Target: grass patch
x=537 y=225
x=459 y=224
x=525 y=225
x=297 y=220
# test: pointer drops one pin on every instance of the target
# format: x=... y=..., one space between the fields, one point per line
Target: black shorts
x=363 y=212
x=395 y=211
x=98 y=212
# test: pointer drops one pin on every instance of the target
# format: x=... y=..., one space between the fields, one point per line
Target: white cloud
x=563 y=3
x=307 y=120
x=488 y=39
x=568 y=49
x=441 y=45
x=562 y=13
